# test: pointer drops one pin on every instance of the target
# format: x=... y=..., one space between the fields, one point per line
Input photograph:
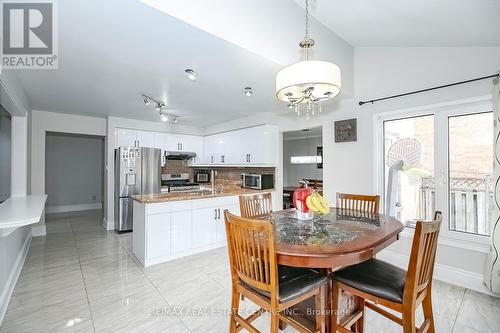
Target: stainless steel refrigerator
x=137 y=172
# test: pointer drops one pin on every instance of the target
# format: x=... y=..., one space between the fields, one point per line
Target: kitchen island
x=168 y=226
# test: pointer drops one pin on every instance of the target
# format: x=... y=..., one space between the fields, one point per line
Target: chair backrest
x=423 y=256
x=255 y=205
x=252 y=253
x=367 y=203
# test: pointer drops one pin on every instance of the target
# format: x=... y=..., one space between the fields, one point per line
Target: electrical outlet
x=94 y=197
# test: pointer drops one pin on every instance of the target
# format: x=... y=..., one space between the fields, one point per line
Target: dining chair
x=369 y=203
x=377 y=282
x=255 y=275
x=255 y=205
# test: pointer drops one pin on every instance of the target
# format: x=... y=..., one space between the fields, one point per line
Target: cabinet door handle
x=219 y=214
x=249 y=158
x=215 y=217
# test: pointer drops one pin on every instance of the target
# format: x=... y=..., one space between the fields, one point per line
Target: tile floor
x=80 y=278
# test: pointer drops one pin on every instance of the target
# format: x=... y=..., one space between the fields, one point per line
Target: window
x=410 y=186
x=447 y=164
x=470 y=163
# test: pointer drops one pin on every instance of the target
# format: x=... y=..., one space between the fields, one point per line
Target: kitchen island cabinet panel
x=166 y=231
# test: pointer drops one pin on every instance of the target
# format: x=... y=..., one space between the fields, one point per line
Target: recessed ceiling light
x=191 y=75
x=248 y=91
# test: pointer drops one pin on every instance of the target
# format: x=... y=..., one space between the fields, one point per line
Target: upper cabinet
x=249 y=146
x=125 y=138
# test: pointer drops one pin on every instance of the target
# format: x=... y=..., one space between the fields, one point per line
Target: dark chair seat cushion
x=294 y=282
x=375 y=277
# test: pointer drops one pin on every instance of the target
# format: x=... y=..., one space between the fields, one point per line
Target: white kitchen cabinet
x=203 y=224
x=125 y=137
x=249 y=146
x=170 y=230
x=210 y=147
x=158 y=236
x=180 y=232
x=220 y=227
x=146 y=139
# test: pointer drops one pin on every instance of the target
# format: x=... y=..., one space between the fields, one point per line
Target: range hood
x=179 y=155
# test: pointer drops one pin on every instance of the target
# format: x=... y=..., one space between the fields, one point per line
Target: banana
x=321 y=204
x=309 y=203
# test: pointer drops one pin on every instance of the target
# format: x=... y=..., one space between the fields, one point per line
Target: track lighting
x=248 y=91
x=146 y=101
x=158 y=107
x=175 y=120
x=164 y=118
x=191 y=75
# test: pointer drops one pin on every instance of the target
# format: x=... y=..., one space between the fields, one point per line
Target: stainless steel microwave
x=202 y=176
x=257 y=181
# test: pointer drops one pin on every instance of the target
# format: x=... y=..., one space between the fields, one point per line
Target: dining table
x=329 y=242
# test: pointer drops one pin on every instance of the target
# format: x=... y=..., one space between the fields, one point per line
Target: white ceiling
x=407 y=23
x=109 y=55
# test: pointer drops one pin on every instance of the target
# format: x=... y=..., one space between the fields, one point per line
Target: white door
x=125 y=137
x=204 y=227
x=172 y=142
x=220 y=229
x=194 y=143
x=180 y=231
x=146 y=139
x=210 y=149
x=158 y=234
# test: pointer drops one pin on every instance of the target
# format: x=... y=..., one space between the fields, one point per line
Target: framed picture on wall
x=319 y=152
x=346 y=130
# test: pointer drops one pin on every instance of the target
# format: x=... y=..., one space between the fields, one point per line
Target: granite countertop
x=170 y=197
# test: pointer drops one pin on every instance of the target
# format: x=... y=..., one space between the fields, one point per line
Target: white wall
x=293 y=173
x=43 y=122
x=73 y=172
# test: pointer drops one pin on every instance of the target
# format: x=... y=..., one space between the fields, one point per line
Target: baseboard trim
x=444 y=273
x=108 y=225
x=13 y=277
x=72 y=208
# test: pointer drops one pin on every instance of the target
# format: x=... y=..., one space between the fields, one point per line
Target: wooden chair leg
x=320 y=306
x=274 y=321
x=360 y=324
x=428 y=315
x=235 y=306
x=408 y=317
x=334 y=308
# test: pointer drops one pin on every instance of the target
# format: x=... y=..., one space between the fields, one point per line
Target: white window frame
x=441 y=113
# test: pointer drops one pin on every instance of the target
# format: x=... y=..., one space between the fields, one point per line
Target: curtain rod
x=497 y=75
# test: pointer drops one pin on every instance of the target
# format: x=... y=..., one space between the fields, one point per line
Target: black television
x=5 y=154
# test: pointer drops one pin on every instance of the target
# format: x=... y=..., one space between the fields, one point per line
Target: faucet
x=212 y=179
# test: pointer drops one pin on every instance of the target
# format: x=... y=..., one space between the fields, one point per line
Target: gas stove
x=178 y=182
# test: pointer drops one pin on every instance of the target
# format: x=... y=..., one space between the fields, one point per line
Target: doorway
x=74 y=172
x=302 y=160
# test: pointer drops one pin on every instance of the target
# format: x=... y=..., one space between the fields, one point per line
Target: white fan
x=404 y=154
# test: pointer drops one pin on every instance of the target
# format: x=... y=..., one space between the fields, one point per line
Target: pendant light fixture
x=306 y=84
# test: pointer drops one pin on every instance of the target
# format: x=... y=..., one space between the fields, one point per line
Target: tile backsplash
x=228 y=177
